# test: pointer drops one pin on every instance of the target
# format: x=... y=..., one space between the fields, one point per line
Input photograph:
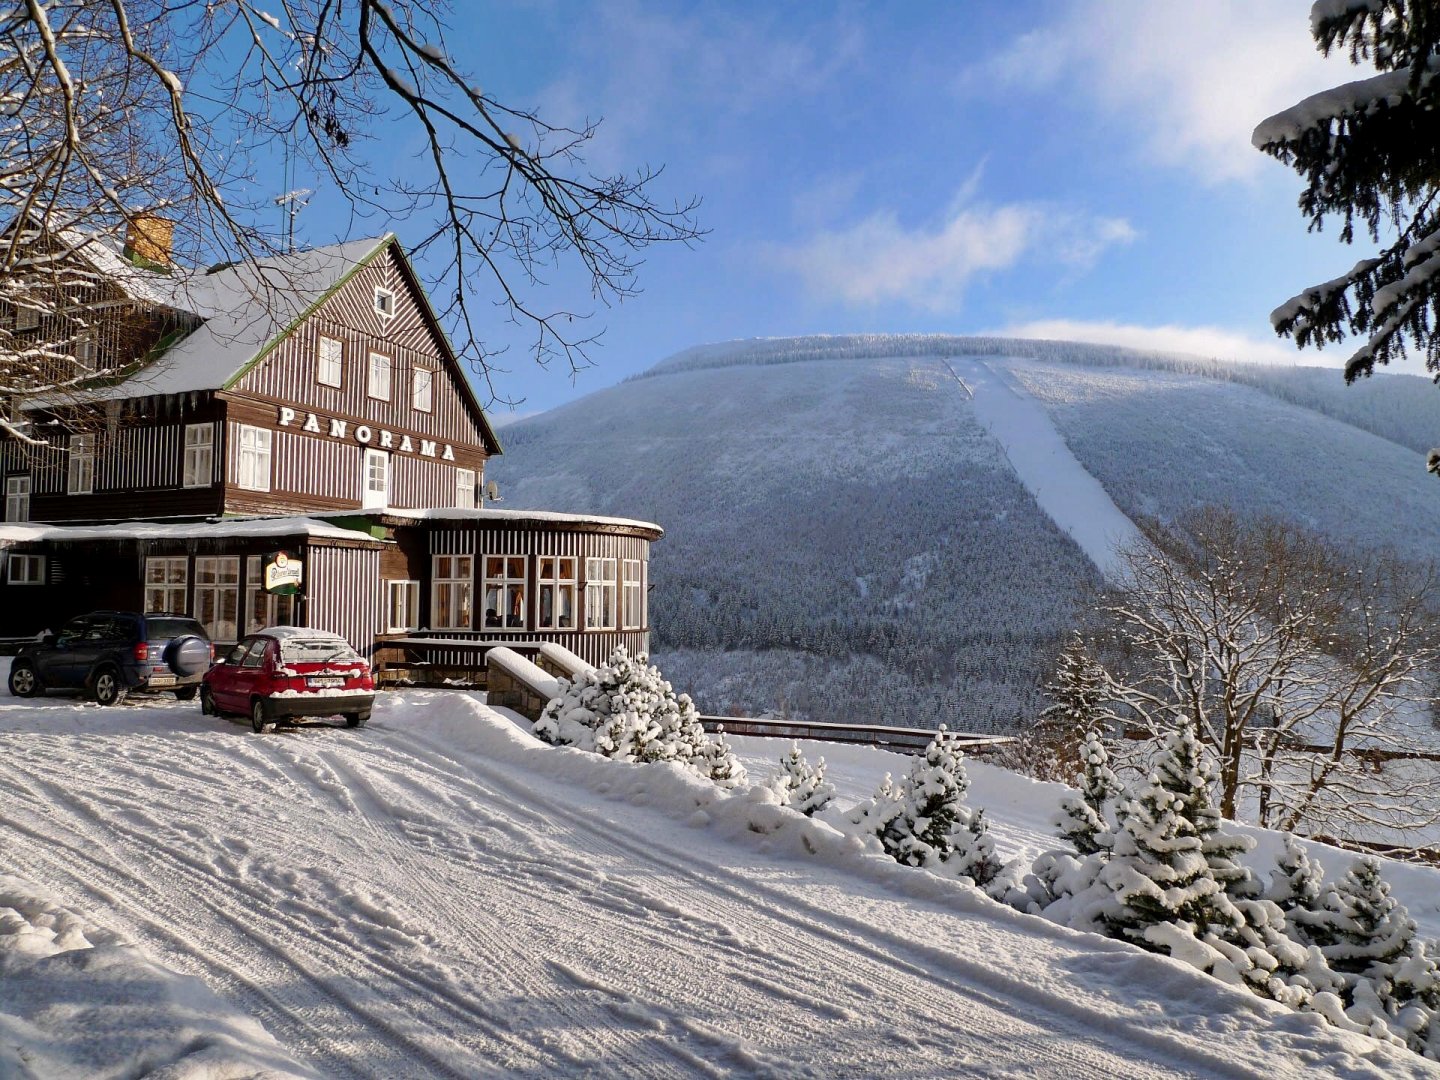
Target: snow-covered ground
x=440 y=895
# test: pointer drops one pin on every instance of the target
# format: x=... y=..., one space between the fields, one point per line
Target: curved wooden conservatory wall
x=540 y=542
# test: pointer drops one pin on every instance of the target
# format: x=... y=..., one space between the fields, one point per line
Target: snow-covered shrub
x=624 y=709
x=1085 y=820
x=801 y=785
x=1298 y=888
x=923 y=821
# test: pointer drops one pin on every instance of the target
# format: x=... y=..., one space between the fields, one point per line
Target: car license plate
x=324 y=680
x=162 y=680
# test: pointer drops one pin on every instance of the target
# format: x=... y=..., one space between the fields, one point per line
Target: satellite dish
x=492 y=492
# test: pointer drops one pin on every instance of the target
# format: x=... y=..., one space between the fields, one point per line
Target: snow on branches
x=624 y=709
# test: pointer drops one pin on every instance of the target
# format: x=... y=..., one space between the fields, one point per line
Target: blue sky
x=1061 y=169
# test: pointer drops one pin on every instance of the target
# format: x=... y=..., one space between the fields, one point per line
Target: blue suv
x=110 y=653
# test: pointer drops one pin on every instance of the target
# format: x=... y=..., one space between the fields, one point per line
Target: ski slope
x=1074 y=500
x=440 y=895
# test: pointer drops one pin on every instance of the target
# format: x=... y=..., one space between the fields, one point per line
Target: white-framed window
x=165 y=581
x=26 y=318
x=86 y=349
x=264 y=609
x=17 y=498
x=632 y=595
x=422 y=388
x=465 y=489
x=452 y=591
x=402 y=606
x=600 y=589
x=384 y=302
x=80 y=477
x=199 y=468
x=25 y=570
x=217 y=596
x=253 y=459
x=378 y=383
x=329 y=362
x=555 y=591
x=505 y=591
x=377 y=480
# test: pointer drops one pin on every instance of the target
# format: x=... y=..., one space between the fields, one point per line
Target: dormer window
x=384 y=303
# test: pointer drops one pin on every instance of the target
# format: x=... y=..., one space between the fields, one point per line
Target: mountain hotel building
x=308 y=405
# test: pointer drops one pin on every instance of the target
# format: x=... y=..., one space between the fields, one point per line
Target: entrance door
x=376 y=480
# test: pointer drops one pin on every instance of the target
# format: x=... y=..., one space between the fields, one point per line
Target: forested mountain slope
x=846 y=541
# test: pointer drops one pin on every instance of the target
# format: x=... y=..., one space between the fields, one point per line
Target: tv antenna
x=293 y=202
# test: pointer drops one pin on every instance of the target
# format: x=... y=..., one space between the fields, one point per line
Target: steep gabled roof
x=246 y=308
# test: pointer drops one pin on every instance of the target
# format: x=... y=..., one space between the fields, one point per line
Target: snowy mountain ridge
x=851 y=536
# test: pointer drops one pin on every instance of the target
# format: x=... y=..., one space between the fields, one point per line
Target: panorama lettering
x=362 y=433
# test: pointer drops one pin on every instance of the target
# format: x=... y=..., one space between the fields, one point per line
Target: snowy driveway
x=429 y=897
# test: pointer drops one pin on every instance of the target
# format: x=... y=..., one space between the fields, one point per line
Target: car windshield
x=162 y=629
x=315 y=650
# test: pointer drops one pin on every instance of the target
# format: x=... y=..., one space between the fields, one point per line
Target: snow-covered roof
x=480 y=516
x=141 y=283
x=298 y=633
x=225 y=528
x=246 y=307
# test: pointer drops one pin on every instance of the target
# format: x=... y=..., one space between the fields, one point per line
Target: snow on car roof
x=293 y=633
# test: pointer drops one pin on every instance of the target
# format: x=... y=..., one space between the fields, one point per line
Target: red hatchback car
x=290 y=671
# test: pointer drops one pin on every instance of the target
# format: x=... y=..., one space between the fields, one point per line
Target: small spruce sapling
x=801 y=785
x=1184 y=770
x=1085 y=819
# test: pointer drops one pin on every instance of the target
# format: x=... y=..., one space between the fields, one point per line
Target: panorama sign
x=364 y=434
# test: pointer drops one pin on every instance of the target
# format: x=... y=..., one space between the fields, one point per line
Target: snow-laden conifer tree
x=1085 y=820
x=624 y=709
x=801 y=785
x=923 y=821
x=1184 y=770
x=1298 y=888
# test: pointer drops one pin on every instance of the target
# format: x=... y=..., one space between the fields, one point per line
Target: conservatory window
x=165 y=581
x=556 y=592
x=422 y=389
x=265 y=609
x=378 y=385
x=25 y=570
x=633 y=595
x=505 y=591
x=465 y=489
x=600 y=587
x=452 y=593
x=199 y=455
x=254 y=458
x=17 y=498
x=80 y=479
x=402 y=605
x=217 y=596
x=329 y=365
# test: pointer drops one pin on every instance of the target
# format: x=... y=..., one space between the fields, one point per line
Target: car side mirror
x=48 y=641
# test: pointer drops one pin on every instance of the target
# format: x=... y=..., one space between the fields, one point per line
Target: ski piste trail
x=1076 y=501
x=440 y=895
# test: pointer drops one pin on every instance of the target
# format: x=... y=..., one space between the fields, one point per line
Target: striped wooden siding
x=130 y=458
x=343 y=594
x=314 y=466
x=288 y=373
x=418 y=482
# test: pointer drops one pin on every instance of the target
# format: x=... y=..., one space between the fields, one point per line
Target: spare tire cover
x=188 y=655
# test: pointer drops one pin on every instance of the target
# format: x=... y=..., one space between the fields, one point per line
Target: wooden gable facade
x=352 y=407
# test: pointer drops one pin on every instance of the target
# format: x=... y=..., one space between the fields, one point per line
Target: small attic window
x=384 y=303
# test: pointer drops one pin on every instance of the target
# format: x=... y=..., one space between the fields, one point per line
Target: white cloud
x=1208 y=341
x=879 y=259
x=1192 y=79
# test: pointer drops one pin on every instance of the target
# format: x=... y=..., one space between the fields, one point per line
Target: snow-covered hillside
x=442 y=895
x=894 y=529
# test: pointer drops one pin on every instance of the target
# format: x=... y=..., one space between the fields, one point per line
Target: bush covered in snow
x=923 y=821
x=1155 y=867
x=624 y=709
x=800 y=785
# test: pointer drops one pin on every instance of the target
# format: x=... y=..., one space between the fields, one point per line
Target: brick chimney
x=148 y=239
